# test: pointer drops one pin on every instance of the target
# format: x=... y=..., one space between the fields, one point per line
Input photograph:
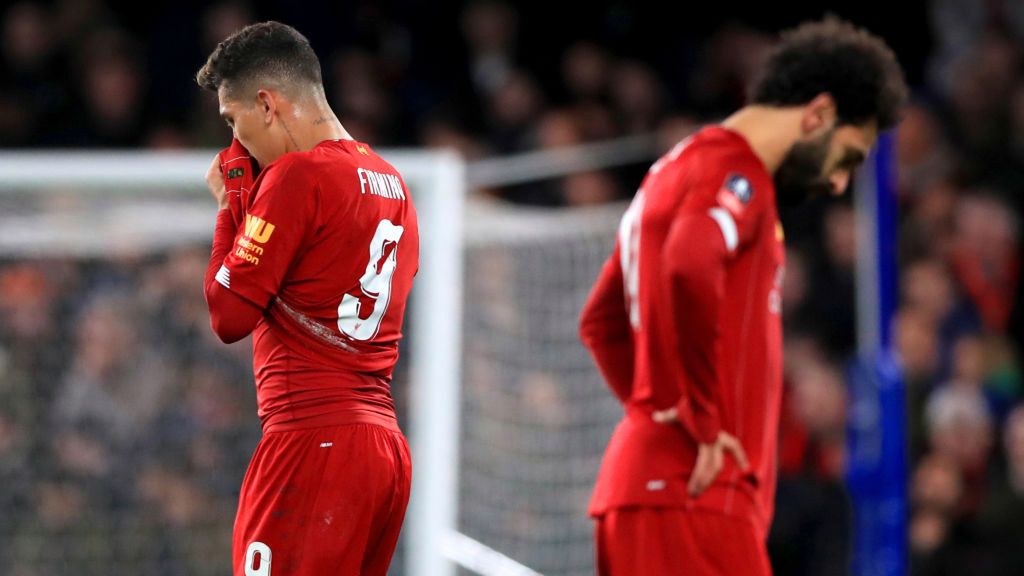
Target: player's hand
x=711 y=458
x=215 y=181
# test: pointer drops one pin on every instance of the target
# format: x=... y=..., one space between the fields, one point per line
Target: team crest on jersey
x=735 y=193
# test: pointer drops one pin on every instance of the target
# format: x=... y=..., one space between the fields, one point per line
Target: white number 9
x=264 y=559
x=360 y=315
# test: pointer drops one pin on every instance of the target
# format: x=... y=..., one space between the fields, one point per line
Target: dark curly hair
x=855 y=67
x=270 y=53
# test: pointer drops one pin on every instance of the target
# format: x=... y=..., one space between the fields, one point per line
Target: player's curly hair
x=268 y=53
x=832 y=56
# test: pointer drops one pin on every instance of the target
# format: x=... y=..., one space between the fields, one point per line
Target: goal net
x=535 y=414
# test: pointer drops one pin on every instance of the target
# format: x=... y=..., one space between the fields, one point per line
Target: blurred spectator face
x=544 y=398
x=987 y=229
x=59 y=504
x=916 y=135
x=918 y=344
x=595 y=121
x=934 y=211
x=585 y=71
x=937 y=484
x=960 y=426
x=589 y=189
x=928 y=288
x=517 y=103
x=819 y=399
x=222 y=20
x=557 y=130
x=27 y=41
x=970 y=364
x=82 y=453
x=638 y=95
x=801 y=352
x=928 y=531
x=489 y=26
x=106 y=337
x=112 y=81
x=26 y=302
x=984 y=77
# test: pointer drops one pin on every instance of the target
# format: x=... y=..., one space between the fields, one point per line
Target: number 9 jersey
x=328 y=248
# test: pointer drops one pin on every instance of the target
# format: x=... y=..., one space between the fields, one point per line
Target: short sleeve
x=272 y=232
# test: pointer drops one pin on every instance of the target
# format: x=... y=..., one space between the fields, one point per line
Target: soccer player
x=684 y=321
x=315 y=257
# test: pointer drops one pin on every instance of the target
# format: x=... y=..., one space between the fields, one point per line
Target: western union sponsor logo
x=258 y=229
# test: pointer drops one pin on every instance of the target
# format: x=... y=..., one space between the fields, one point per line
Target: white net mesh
x=535 y=414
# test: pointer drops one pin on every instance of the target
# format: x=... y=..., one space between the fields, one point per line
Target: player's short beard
x=801 y=174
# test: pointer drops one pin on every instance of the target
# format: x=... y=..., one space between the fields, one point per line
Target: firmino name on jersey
x=383 y=185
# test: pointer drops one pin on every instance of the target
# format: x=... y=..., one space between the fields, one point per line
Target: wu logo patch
x=236 y=173
x=258 y=229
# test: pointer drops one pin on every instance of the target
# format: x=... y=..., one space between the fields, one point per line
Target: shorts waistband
x=333 y=419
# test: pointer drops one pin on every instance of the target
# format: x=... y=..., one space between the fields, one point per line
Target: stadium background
x=125 y=427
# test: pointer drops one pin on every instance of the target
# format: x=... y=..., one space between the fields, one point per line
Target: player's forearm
x=697 y=284
x=606 y=332
x=231 y=316
x=223 y=238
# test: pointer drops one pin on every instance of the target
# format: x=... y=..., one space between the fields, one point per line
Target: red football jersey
x=686 y=313
x=328 y=246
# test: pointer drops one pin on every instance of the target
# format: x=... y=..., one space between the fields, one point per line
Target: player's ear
x=818 y=113
x=266 y=105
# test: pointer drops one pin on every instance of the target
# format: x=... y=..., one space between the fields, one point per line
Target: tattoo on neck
x=322 y=120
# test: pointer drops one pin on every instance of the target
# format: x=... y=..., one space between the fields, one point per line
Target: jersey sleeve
x=719 y=219
x=606 y=331
x=725 y=192
x=272 y=232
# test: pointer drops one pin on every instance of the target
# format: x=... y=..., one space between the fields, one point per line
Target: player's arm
x=719 y=221
x=694 y=261
x=605 y=329
x=231 y=316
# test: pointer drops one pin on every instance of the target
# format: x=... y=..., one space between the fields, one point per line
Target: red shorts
x=674 y=541
x=322 y=501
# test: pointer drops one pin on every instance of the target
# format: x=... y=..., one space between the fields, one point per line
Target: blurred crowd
x=155 y=419
x=125 y=426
